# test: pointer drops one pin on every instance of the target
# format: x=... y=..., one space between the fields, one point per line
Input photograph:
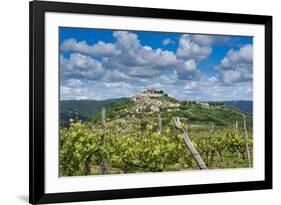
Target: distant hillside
x=83 y=109
x=67 y=113
x=243 y=106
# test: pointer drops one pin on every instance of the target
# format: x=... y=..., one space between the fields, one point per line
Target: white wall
x=14 y=100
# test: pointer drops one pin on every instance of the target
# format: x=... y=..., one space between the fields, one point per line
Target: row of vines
x=142 y=148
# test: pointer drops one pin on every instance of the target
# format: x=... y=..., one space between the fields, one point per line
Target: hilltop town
x=153 y=100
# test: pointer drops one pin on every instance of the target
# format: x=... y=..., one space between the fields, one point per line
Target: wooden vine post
x=200 y=163
x=103 y=165
x=213 y=151
x=236 y=130
x=212 y=127
x=159 y=123
x=247 y=145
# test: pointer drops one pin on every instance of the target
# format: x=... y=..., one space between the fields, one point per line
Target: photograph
x=133 y=101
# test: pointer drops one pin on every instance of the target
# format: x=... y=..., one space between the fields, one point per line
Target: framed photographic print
x=140 y=102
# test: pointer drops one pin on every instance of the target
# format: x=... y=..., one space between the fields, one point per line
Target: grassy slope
x=198 y=116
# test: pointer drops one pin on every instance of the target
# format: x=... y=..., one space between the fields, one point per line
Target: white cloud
x=126 y=40
x=99 y=49
x=190 y=65
x=138 y=60
x=134 y=54
x=74 y=82
x=167 y=41
x=78 y=66
x=237 y=65
x=213 y=79
x=83 y=97
x=189 y=71
x=189 y=49
x=120 y=85
x=230 y=76
x=205 y=40
x=246 y=53
x=190 y=86
x=147 y=48
x=243 y=55
x=65 y=90
x=115 y=75
x=73 y=92
x=208 y=40
x=209 y=89
x=170 y=79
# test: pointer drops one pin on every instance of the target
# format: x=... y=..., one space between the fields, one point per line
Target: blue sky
x=103 y=64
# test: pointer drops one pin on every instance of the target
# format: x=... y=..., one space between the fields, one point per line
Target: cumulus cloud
x=208 y=40
x=80 y=66
x=242 y=56
x=115 y=75
x=99 y=49
x=125 y=58
x=137 y=60
x=128 y=66
x=230 y=76
x=70 y=92
x=190 y=65
x=188 y=71
x=65 y=90
x=209 y=89
x=190 y=86
x=204 y=40
x=167 y=41
x=74 y=82
x=237 y=65
x=213 y=79
x=122 y=85
x=190 y=49
x=135 y=54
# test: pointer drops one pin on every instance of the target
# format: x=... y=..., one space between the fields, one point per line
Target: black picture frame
x=37 y=11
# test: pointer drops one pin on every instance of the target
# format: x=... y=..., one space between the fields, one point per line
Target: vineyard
x=160 y=141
